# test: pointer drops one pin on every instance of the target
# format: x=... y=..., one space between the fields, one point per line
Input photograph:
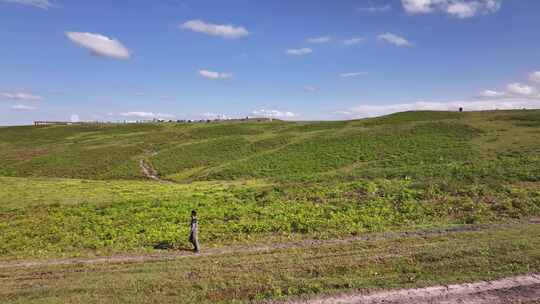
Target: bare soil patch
x=150 y=172
x=520 y=289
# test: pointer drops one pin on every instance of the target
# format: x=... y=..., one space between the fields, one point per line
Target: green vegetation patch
x=424 y=144
x=78 y=162
x=281 y=274
x=522 y=119
x=40 y=135
x=226 y=129
x=122 y=220
x=317 y=126
x=411 y=116
x=211 y=153
x=441 y=142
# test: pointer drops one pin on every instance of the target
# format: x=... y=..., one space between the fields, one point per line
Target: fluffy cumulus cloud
x=20 y=96
x=354 y=41
x=100 y=45
x=520 y=89
x=471 y=105
x=146 y=115
x=394 y=39
x=456 y=8
x=44 y=4
x=299 y=52
x=375 y=8
x=417 y=6
x=515 y=90
x=352 y=74
x=214 y=75
x=515 y=96
x=21 y=107
x=323 y=39
x=227 y=31
x=273 y=113
x=535 y=76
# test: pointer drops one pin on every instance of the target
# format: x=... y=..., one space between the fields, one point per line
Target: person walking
x=193 y=239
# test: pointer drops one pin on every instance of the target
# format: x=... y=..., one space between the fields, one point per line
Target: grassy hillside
x=78 y=190
x=500 y=145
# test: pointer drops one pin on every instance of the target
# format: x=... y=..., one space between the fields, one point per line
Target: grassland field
x=78 y=191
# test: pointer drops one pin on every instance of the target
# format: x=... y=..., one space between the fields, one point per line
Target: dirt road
x=520 y=289
x=172 y=255
x=523 y=289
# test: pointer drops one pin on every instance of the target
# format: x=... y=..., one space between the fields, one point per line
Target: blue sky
x=297 y=60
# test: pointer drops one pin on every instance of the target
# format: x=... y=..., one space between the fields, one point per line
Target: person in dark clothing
x=193 y=239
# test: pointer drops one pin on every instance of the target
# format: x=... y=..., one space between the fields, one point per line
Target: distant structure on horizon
x=51 y=123
x=44 y=123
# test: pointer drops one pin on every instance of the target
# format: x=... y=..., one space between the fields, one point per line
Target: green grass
x=413 y=144
x=248 y=278
x=211 y=153
x=261 y=180
x=391 y=148
x=411 y=116
x=68 y=191
x=46 y=218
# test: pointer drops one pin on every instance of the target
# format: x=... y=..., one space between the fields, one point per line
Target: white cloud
x=456 y=8
x=299 y=52
x=352 y=74
x=100 y=45
x=214 y=75
x=20 y=107
x=323 y=39
x=375 y=9
x=227 y=31
x=146 y=115
x=417 y=6
x=353 y=41
x=74 y=118
x=310 y=89
x=515 y=96
x=491 y=94
x=394 y=39
x=273 y=113
x=535 y=76
x=44 y=4
x=520 y=89
x=471 y=105
x=21 y=96
x=461 y=10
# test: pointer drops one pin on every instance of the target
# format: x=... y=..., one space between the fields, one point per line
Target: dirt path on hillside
x=150 y=172
x=520 y=289
x=173 y=255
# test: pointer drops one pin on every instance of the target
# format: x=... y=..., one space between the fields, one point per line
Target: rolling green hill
x=310 y=194
x=499 y=145
x=80 y=190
